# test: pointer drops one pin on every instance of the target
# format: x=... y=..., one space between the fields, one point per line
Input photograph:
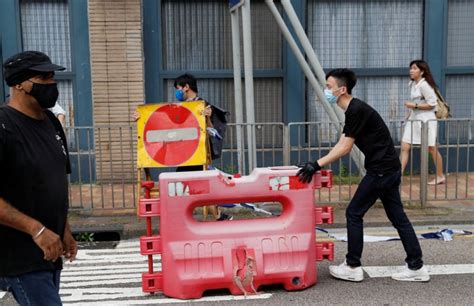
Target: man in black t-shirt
x=34 y=162
x=366 y=129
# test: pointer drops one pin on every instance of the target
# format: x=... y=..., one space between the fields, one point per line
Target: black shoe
x=224 y=217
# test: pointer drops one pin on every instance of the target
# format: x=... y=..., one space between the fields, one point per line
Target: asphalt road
x=441 y=290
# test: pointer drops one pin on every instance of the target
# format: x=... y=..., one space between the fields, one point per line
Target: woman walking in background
x=422 y=106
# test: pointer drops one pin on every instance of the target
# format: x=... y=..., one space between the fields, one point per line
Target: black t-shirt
x=372 y=137
x=33 y=179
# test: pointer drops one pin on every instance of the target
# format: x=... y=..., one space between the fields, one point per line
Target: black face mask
x=45 y=94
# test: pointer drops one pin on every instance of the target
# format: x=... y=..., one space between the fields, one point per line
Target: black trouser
x=371 y=188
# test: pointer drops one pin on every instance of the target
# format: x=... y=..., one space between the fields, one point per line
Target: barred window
x=460 y=33
x=366 y=34
x=460 y=53
x=45 y=28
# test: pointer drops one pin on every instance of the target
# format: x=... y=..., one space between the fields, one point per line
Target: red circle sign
x=171 y=135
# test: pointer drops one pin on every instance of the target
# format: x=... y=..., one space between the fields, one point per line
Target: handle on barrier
x=149 y=207
x=325 y=250
x=152 y=282
x=226 y=180
x=150 y=245
x=324 y=215
x=326 y=178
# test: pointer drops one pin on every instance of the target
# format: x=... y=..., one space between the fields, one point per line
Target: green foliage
x=348 y=180
x=344 y=177
x=84 y=237
x=229 y=168
x=343 y=172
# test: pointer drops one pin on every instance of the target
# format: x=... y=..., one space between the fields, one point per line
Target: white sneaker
x=345 y=272
x=420 y=275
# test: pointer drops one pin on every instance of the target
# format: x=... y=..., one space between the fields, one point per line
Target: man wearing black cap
x=34 y=162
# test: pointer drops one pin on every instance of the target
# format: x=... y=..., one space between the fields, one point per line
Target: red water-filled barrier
x=239 y=255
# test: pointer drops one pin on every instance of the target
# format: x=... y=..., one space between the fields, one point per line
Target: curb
x=135 y=230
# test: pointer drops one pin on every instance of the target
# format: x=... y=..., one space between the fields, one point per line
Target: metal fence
x=105 y=176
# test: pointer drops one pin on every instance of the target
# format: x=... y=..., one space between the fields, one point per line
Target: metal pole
x=286 y=145
x=335 y=114
x=424 y=164
x=237 y=87
x=249 y=90
x=301 y=60
x=308 y=49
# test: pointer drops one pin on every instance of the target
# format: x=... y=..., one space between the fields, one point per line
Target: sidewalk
x=128 y=225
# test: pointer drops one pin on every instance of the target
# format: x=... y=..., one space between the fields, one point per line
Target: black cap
x=27 y=64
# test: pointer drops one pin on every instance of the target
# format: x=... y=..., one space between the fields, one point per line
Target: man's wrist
x=39 y=232
x=35 y=229
x=317 y=167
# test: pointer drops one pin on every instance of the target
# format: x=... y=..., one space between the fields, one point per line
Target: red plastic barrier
x=239 y=255
x=150 y=245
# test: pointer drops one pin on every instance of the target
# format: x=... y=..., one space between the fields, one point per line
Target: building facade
x=122 y=53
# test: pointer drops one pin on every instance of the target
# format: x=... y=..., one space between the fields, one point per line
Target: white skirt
x=412 y=132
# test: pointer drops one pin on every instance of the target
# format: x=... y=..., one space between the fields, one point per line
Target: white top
x=57 y=110
x=422 y=92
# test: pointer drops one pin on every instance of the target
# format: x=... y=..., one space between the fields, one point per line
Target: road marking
x=112 y=251
x=127 y=280
x=96 y=277
x=387 y=271
x=129 y=244
x=155 y=301
x=2 y=294
x=68 y=267
x=108 y=271
x=113 y=277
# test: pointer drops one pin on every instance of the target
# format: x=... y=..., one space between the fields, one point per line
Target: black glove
x=305 y=174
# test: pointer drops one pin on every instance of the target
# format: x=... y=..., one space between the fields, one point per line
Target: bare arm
x=48 y=241
x=62 y=119
x=12 y=217
x=69 y=244
x=342 y=148
x=430 y=98
x=422 y=106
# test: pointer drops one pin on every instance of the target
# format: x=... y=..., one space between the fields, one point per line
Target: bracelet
x=39 y=232
x=416 y=105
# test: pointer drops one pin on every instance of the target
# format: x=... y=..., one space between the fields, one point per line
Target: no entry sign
x=171 y=135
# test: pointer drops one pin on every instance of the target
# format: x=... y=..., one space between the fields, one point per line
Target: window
x=45 y=28
x=367 y=35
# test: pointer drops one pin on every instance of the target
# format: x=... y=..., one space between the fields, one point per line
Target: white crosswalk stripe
x=113 y=277
x=387 y=271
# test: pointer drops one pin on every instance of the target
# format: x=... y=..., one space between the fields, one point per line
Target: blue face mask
x=179 y=94
x=329 y=96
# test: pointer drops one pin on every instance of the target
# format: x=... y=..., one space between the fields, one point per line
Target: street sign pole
x=244 y=6
x=239 y=117
x=249 y=89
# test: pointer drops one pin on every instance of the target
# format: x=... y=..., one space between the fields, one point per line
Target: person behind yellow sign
x=216 y=122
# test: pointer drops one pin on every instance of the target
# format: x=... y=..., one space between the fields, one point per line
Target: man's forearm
x=336 y=153
x=12 y=217
x=342 y=148
x=67 y=227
